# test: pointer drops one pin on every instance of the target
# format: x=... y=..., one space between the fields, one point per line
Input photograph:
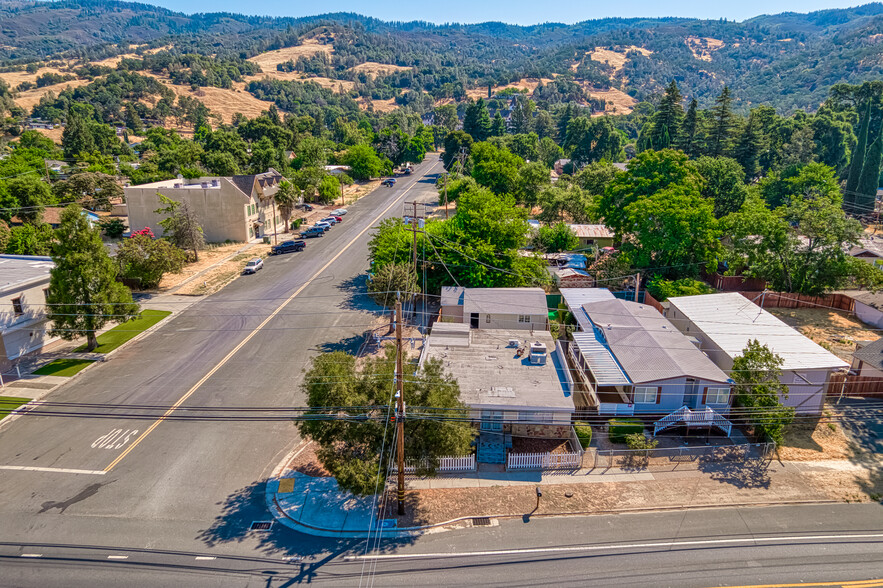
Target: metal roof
x=576 y=297
x=600 y=359
x=592 y=231
x=730 y=321
x=20 y=271
x=647 y=346
x=504 y=301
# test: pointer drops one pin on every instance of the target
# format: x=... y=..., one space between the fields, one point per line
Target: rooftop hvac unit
x=514 y=342
x=538 y=353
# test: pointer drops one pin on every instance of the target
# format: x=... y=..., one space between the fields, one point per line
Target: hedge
x=619 y=428
x=584 y=433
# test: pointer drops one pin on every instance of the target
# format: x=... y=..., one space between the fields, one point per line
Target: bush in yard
x=145 y=231
x=149 y=259
x=114 y=228
x=640 y=441
x=618 y=429
x=583 y=433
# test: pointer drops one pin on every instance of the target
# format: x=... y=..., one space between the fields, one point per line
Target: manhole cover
x=260 y=525
x=481 y=522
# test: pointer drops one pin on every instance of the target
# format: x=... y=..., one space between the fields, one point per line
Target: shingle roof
x=646 y=345
x=730 y=320
x=871 y=354
x=504 y=301
x=592 y=231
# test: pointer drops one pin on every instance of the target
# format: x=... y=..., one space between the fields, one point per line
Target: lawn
x=10 y=403
x=63 y=367
x=121 y=333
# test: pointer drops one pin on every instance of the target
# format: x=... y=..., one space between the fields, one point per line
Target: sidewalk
x=316 y=506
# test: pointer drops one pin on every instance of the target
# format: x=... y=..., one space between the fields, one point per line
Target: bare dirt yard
x=217 y=277
x=834 y=330
x=375 y=69
x=617 y=101
x=812 y=440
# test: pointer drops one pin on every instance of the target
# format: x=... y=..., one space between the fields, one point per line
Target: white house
x=496 y=308
x=23 y=325
x=723 y=324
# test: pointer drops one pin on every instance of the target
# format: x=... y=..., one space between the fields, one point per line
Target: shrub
x=146 y=259
x=584 y=433
x=145 y=231
x=640 y=441
x=113 y=228
x=618 y=429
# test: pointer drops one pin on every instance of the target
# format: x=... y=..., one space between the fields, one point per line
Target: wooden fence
x=734 y=283
x=865 y=386
x=788 y=300
x=650 y=301
x=543 y=461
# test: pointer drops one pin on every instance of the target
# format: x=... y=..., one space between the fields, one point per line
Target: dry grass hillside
x=269 y=60
x=703 y=47
x=616 y=58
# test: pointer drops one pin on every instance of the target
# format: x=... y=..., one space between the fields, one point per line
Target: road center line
x=539 y=550
x=56 y=470
x=258 y=329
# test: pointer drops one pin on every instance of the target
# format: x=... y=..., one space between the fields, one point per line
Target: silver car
x=253 y=266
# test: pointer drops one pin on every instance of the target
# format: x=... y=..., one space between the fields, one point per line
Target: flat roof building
x=23 y=324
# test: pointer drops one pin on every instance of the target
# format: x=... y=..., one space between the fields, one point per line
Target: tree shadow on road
x=349 y=345
x=357 y=298
x=247 y=505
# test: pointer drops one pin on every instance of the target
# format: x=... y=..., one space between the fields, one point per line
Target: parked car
x=337 y=218
x=312 y=232
x=253 y=266
x=407 y=171
x=305 y=207
x=287 y=247
x=331 y=220
x=339 y=212
x=324 y=225
x=388 y=182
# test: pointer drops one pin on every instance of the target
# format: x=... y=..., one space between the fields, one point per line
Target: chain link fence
x=668 y=459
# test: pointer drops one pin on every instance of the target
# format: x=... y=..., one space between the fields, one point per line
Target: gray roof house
x=496 y=308
x=23 y=325
x=723 y=324
x=631 y=360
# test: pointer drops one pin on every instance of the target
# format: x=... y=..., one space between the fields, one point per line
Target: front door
x=691 y=398
x=473 y=320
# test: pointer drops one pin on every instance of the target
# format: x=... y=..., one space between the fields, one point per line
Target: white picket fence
x=543 y=461
x=447 y=464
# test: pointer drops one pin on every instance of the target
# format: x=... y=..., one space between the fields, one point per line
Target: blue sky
x=511 y=11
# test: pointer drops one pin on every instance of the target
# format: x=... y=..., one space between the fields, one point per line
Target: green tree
x=357 y=450
x=457 y=143
x=5 y=235
x=113 y=227
x=446 y=116
x=522 y=114
x=556 y=238
x=723 y=183
x=93 y=190
x=181 y=225
x=148 y=260
x=477 y=121
x=751 y=144
x=533 y=177
x=723 y=124
x=690 y=139
x=594 y=139
x=30 y=239
x=364 y=162
x=495 y=167
x=548 y=151
x=77 y=136
x=662 y=289
x=25 y=197
x=757 y=373
x=667 y=121
x=329 y=189
x=83 y=293
x=498 y=126
x=391 y=279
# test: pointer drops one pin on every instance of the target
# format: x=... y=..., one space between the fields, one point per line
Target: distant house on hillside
x=237 y=208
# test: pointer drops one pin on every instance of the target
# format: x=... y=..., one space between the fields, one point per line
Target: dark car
x=288 y=247
x=388 y=182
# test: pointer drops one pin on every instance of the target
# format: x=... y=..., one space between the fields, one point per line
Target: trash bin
x=266 y=240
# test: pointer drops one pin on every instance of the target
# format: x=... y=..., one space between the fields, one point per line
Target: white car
x=338 y=212
x=253 y=266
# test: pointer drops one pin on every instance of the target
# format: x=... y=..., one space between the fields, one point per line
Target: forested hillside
x=787 y=61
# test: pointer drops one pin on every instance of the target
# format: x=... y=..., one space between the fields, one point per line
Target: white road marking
x=539 y=550
x=55 y=470
x=205 y=557
x=260 y=327
x=116 y=439
x=31 y=555
x=117 y=557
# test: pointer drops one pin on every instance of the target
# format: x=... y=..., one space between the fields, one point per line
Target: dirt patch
x=224 y=102
x=221 y=275
x=703 y=47
x=817 y=440
x=54 y=134
x=207 y=258
x=616 y=101
x=378 y=105
x=357 y=190
x=377 y=69
x=531 y=445
x=30 y=98
x=616 y=58
x=529 y=84
x=269 y=60
x=306 y=462
x=834 y=330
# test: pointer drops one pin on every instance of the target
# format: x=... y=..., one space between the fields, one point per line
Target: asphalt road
x=173 y=508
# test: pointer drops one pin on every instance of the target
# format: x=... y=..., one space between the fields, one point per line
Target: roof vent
x=178 y=185
x=216 y=183
x=203 y=184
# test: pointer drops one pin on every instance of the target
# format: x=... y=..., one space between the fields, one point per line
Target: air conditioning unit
x=514 y=342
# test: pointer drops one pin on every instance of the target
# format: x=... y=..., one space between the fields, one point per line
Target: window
x=491 y=420
x=645 y=394
x=535 y=417
x=17 y=307
x=523 y=318
x=487 y=318
x=717 y=395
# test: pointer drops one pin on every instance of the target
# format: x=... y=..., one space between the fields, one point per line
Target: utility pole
x=414 y=230
x=275 y=228
x=637 y=285
x=400 y=410
x=446 y=196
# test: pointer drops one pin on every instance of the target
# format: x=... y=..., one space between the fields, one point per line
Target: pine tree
x=522 y=115
x=76 y=137
x=477 y=121
x=498 y=128
x=689 y=139
x=668 y=119
x=749 y=148
x=723 y=122
x=564 y=119
x=83 y=292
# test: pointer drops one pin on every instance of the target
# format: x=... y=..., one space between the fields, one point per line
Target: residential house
x=591 y=236
x=513 y=383
x=558 y=166
x=867 y=360
x=238 y=208
x=723 y=324
x=52 y=217
x=496 y=308
x=23 y=325
x=336 y=170
x=629 y=359
x=868 y=307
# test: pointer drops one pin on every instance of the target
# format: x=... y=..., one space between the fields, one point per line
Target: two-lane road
x=80 y=479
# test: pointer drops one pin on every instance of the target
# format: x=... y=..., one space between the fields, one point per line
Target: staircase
x=492 y=448
x=693 y=418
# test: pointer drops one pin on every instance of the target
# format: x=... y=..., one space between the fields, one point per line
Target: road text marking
x=257 y=330
x=116 y=439
x=55 y=470
x=538 y=550
x=31 y=555
x=117 y=557
x=205 y=557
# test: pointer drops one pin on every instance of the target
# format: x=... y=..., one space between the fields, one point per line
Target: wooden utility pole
x=414 y=230
x=400 y=410
x=637 y=285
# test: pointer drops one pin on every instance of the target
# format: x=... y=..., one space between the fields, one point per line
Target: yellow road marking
x=233 y=352
x=845 y=584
